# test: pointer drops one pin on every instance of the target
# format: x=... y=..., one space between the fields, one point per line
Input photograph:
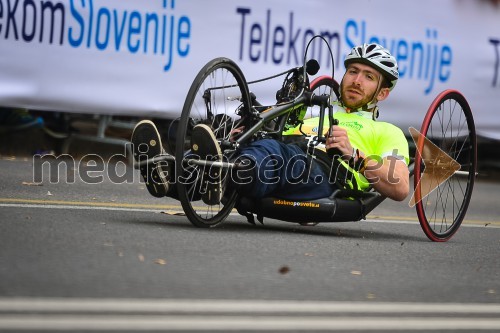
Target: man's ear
x=383 y=94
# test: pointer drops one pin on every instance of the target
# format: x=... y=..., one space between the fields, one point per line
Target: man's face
x=359 y=85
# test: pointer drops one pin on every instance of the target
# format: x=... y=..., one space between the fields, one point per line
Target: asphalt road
x=109 y=257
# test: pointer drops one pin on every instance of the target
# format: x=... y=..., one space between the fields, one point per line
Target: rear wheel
x=449 y=125
x=216 y=94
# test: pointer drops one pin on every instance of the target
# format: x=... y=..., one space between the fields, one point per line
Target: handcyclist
x=375 y=152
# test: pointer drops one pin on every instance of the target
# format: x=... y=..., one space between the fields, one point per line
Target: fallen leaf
x=160 y=261
x=355 y=272
x=173 y=212
x=32 y=184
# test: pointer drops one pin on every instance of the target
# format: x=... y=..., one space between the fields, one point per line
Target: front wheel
x=216 y=94
x=449 y=126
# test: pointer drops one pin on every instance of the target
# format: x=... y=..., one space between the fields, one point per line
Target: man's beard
x=354 y=103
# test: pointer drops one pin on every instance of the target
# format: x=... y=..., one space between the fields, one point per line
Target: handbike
x=220 y=97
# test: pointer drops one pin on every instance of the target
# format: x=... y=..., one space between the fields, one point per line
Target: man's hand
x=235 y=133
x=339 y=140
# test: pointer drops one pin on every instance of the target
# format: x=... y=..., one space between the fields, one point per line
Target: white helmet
x=378 y=57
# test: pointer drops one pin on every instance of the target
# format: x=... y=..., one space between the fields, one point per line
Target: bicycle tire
x=322 y=85
x=441 y=212
x=223 y=82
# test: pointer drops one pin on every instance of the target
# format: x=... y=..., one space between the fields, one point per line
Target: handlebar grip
x=320 y=100
x=333 y=152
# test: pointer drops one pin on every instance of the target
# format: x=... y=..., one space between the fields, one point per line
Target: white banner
x=133 y=57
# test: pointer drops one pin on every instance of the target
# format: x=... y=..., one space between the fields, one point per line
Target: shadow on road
x=335 y=230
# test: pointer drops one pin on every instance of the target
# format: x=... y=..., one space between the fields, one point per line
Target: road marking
x=86 y=203
x=115 y=206
x=125 y=305
x=62 y=204
x=216 y=315
x=147 y=210
x=408 y=220
x=240 y=323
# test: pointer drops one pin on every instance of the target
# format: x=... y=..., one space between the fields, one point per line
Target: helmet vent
x=375 y=55
x=387 y=63
x=370 y=48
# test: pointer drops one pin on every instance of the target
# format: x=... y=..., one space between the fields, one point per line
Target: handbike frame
x=345 y=209
x=269 y=122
